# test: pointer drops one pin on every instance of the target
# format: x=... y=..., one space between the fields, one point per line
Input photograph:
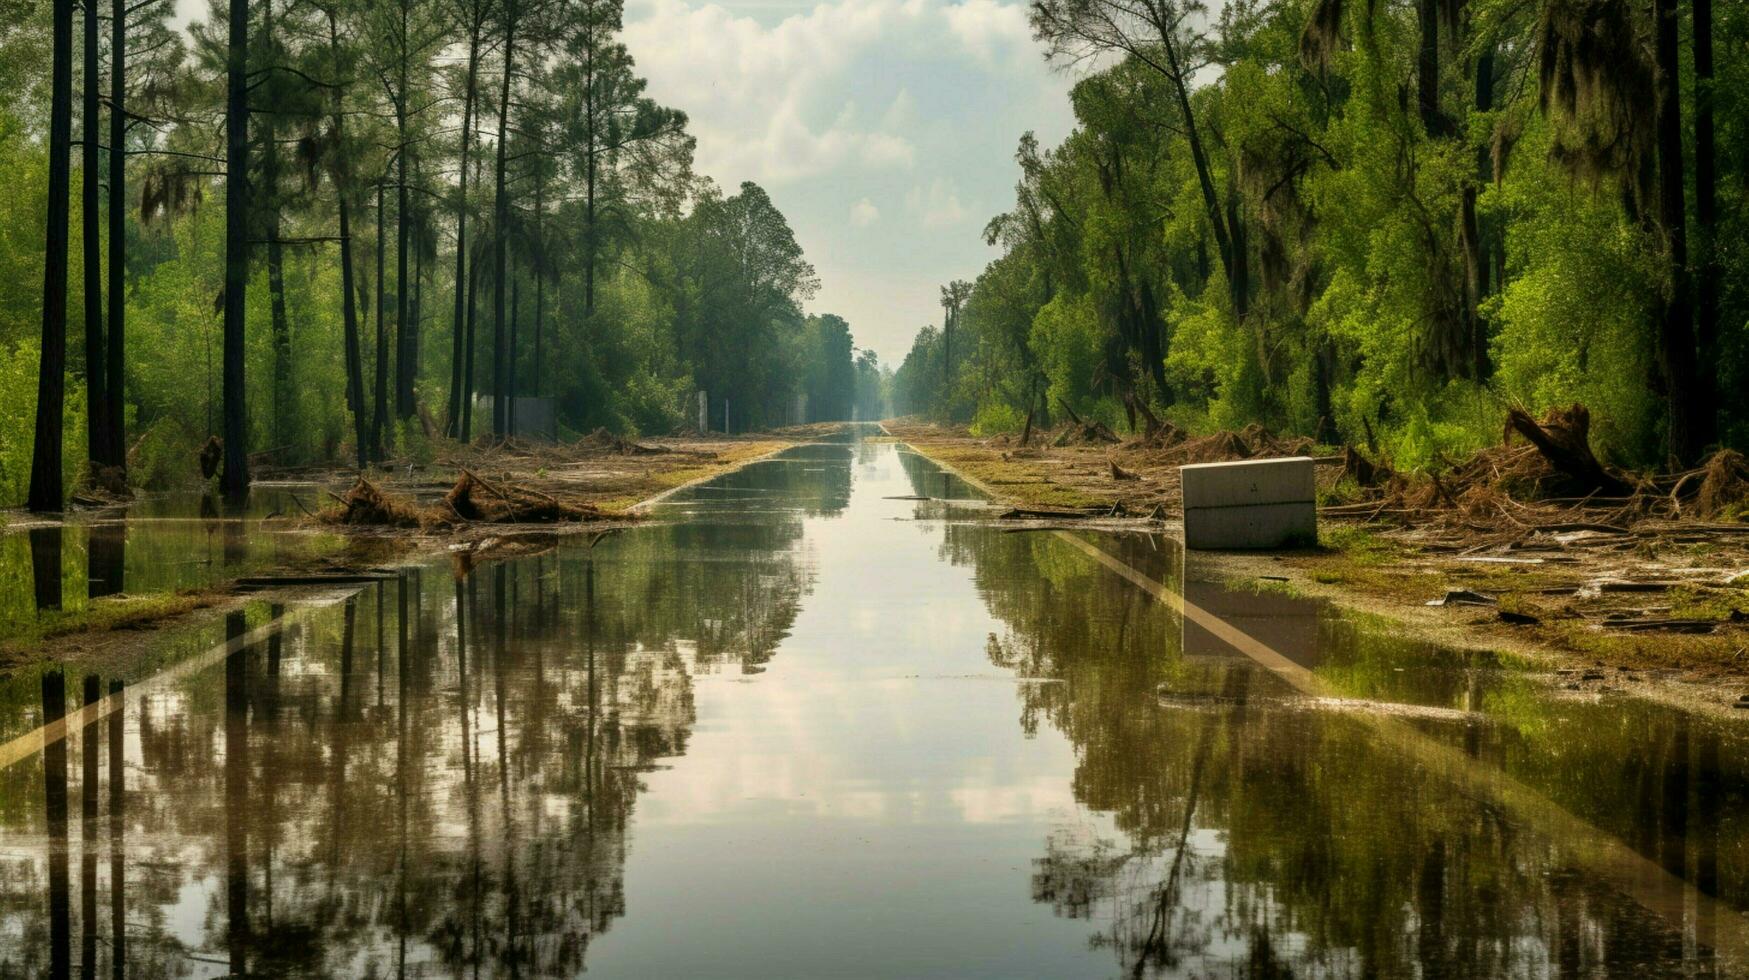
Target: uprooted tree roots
x=1551 y=478
x=367 y=505
x=603 y=439
x=473 y=500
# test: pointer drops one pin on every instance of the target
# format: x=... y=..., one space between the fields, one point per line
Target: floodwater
x=803 y=728
x=159 y=543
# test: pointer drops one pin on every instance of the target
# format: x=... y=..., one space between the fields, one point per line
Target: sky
x=883 y=129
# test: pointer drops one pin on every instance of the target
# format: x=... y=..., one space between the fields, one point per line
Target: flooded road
x=805 y=727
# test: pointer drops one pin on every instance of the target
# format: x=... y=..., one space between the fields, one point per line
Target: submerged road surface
x=820 y=720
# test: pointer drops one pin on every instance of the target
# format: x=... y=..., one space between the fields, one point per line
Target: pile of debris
x=472 y=500
x=601 y=439
x=1544 y=476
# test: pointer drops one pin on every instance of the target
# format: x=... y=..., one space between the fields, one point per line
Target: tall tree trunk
x=281 y=326
x=115 y=452
x=591 y=145
x=51 y=366
x=1323 y=366
x=91 y=241
x=456 y=390
x=282 y=355
x=1427 y=69
x=468 y=353
x=589 y=177
x=540 y=312
x=354 y=356
x=515 y=315
x=403 y=329
x=349 y=299
x=540 y=273
x=1470 y=230
x=1676 y=351
x=500 y=229
x=1204 y=179
x=1239 y=268
x=416 y=307
x=947 y=354
x=235 y=482
x=1706 y=219
x=381 y=407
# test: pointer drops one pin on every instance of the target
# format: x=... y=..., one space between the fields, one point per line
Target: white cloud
x=990 y=30
x=833 y=105
x=773 y=103
x=863 y=213
x=937 y=207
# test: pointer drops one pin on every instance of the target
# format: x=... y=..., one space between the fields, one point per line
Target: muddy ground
x=1595 y=587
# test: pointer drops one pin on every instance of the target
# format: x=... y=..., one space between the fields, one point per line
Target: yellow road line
x=32 y=742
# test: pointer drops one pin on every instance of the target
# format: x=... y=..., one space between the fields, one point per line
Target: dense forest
x=314 y=228
x=1379 y=223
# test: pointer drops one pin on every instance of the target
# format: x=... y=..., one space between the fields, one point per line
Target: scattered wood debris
x=472 y=500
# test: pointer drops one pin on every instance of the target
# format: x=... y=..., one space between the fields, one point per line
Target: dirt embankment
x=600 y=477
x=1533 y=544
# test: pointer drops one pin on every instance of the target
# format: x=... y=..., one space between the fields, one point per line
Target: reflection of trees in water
x=432 y=772
x=1257 y=839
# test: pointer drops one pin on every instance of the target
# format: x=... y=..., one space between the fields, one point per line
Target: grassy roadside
x=1541 y=608
x=1554 y=613
x=661 y=482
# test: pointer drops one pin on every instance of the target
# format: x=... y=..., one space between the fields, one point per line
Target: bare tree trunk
x=282 y=355
x=500 y=230
x=1706 y=219
x=1470 y=231
x=115 y=452
x=354 y=356
x=96 y=391
x=381 y=407
x=540 y=311
x=45 y=463
x=468 y=354
x=1427 y=69
x=510 y=391
x=349 y=299
x=235 y=482
x=540 y=272
x=591 y=146
x=1205 y=180
x=1676 y=351
x=456 y=390
x=1239 y=268
x=417 y=306
x=282 y=366
x=403 y=329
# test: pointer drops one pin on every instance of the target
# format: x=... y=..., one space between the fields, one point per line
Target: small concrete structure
x=1253 y=503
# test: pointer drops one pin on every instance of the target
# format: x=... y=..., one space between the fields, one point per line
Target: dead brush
x=472 y=500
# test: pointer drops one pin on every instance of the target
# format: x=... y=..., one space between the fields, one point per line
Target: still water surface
x=802 y=728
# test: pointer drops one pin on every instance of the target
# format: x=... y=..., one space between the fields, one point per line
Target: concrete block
x=1253 y=503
